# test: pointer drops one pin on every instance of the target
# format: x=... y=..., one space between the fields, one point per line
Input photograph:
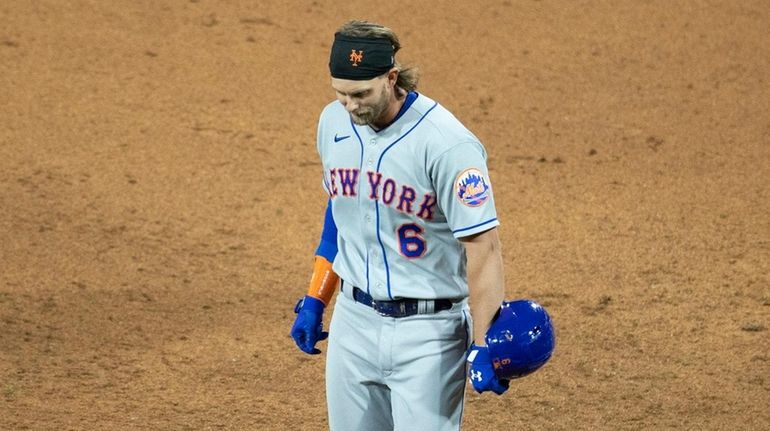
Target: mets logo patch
x=356 y=57
x=471 y=187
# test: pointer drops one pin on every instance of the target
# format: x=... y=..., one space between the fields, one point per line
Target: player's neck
x=397 y=101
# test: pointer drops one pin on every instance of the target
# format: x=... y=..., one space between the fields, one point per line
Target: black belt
x=401 y=307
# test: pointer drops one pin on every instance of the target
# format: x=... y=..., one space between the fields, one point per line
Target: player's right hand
x=308 y=326
x=482 y=373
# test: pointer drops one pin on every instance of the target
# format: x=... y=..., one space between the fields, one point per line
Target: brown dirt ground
x=160 y=200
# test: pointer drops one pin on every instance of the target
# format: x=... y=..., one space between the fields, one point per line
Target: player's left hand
x=482 y=373
x=308 y=326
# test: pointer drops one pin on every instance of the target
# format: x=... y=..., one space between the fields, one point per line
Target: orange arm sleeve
x=324 y=280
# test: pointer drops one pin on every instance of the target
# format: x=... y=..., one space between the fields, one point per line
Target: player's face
x=366 y=101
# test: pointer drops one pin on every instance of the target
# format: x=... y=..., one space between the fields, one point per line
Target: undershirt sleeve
x=327 y=247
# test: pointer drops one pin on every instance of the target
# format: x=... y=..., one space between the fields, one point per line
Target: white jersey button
x=370 y=162
x=373 y=141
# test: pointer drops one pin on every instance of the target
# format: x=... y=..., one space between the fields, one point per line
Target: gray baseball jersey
x=401 y=197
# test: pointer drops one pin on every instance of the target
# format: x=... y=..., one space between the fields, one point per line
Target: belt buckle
x=376 y=308
x=379 y=310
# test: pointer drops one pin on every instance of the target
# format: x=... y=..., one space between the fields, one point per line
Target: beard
x=363 y=117
x=370 y=114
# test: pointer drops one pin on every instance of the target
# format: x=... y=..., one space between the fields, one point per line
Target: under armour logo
x=476 y=375
x=356 y=58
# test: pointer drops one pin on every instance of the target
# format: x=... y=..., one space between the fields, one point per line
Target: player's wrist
x=477 y=352
x=313 y=304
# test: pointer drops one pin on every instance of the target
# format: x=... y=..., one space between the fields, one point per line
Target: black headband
x=359 y=58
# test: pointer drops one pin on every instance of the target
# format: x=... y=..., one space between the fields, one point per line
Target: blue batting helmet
x=521 y=339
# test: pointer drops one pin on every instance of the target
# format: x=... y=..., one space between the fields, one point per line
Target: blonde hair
x=409 y=75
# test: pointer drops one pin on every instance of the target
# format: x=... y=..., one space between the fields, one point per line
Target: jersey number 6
x=410 y=242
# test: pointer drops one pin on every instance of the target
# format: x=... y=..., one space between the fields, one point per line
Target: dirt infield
x=160 y=201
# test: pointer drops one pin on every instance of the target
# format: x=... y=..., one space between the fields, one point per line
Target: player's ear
x=392 y=76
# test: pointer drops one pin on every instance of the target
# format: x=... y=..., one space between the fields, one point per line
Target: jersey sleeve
x=327 y=246
x=463 y=190
x=321 y=148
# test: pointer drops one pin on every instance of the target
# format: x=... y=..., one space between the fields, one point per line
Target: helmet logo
x=497 y=363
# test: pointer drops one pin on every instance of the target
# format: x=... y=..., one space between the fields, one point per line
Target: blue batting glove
x=308 y=326
x=482 y=373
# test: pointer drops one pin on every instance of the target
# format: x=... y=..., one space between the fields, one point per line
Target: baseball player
x=409 y=237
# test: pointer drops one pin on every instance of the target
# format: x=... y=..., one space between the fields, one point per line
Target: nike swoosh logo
x=340 y=138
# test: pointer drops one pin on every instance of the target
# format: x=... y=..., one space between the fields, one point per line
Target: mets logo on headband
x=471 y=187
x=356 y=58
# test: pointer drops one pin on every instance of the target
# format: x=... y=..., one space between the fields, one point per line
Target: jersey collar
x=410 y=98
